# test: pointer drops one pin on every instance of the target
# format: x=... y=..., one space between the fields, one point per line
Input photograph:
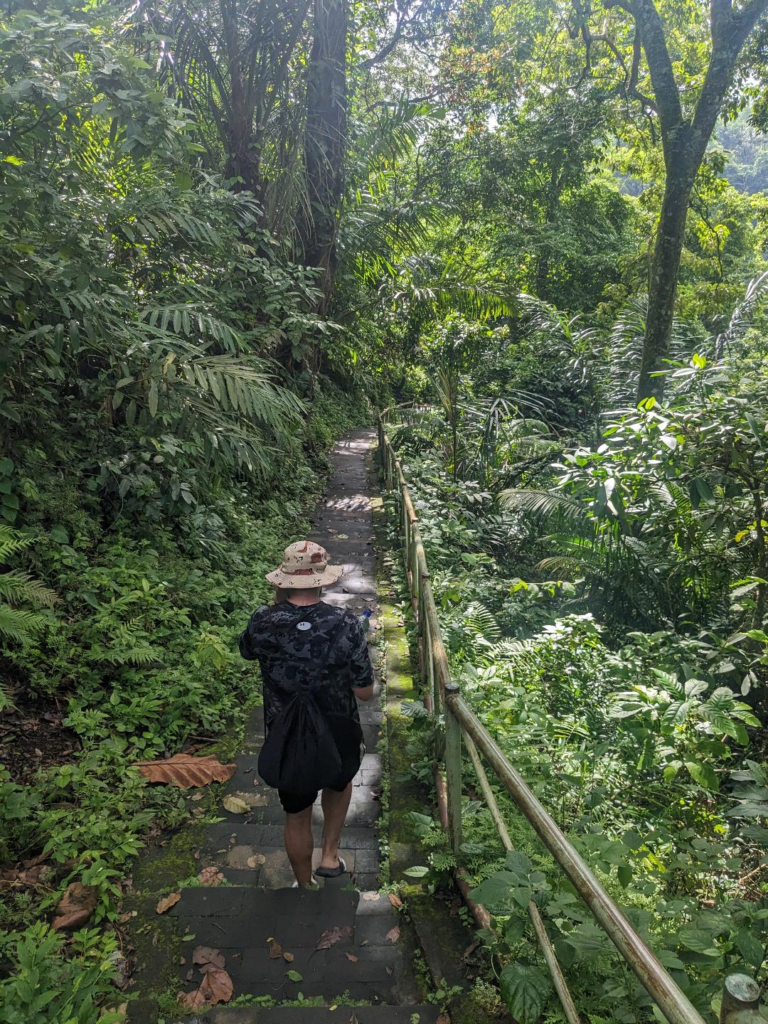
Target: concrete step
x=370 y=958
x=316 y=1015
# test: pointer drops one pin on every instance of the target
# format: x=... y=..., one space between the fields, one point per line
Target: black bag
x=301 y=753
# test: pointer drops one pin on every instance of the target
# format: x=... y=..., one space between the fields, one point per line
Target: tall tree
x=686 y=129
x=231 y=64
x=325 y=141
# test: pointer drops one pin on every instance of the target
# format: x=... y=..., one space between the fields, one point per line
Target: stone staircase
x=344 y=945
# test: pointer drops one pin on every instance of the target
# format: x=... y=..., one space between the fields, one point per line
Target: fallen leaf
x=168 y=901
x=275 y=950
x=395 y=900
x=365 y=942
x=332 y=936
x=352 y=957
x=370 y=895
x=216 y=987
x=294 y=976
x=185 y=771
x=393 y=935
x=192 y=1000
x=443 y=1019
x=197 y=796
x=390 y=969
x=210 y=876
x=256 y=861
x=288 y=957
x=235 y=805
x=256 y=782
x=207 y=955
x=75 y=906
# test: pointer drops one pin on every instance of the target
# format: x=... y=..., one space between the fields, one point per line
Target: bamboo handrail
x=461 y=721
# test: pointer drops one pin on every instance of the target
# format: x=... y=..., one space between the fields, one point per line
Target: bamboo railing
x=740 y=1002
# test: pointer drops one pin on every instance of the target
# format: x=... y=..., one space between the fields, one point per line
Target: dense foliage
x=227 y=232
x=605 y=618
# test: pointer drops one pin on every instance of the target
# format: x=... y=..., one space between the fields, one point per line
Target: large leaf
x=525 y=989
x=186 y=771
x=496 y=893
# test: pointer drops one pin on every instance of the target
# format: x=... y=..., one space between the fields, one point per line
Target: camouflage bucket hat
x=305 y=565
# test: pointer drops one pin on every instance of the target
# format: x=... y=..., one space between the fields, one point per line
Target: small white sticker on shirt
x=303 y=626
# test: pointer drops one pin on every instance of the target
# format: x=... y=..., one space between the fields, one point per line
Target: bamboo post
x=741 y=1000
x=453 y=770
x=547 y=949
x=485 y=789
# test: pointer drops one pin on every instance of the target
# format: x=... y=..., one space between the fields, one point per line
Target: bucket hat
x=305 y=565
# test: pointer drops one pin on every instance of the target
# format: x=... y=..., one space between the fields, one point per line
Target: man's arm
x=360 y=663
x=247 y=645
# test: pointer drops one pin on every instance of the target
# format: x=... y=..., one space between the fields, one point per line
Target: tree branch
x=660 y=66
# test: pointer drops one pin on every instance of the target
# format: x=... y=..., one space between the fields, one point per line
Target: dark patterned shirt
x=288 y=641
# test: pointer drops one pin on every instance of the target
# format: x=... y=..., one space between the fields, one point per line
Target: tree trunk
x=662 y=285
x=325 y=142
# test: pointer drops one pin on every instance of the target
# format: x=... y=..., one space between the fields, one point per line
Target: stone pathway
x=371 y=963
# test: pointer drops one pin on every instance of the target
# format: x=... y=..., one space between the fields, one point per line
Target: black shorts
x=294 y=803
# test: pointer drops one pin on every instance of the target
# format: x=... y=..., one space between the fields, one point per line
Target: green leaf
x=496 y=892
x=704 y=774
x=525 y=990
x=698 y=940
x=152 y=398
x=60 y=535
x=417 y=871
x=625 y=875
x=514 y=930
x=294 y=976
x=519 y=863
x=750 y=947
x=566 y=954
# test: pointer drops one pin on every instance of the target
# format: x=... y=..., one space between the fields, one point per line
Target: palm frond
x=543 y=503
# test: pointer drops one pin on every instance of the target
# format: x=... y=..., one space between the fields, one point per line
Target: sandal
x=332 y=872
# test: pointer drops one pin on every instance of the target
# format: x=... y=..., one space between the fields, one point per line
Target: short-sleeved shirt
x=288 y=642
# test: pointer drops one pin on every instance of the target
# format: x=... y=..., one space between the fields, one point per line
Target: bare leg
x=299 y=844
x=335 y=807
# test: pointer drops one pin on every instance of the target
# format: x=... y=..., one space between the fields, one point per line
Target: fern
x=19 y=588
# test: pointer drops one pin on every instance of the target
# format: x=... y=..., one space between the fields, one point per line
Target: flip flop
x=314 y=884
x=332 y=872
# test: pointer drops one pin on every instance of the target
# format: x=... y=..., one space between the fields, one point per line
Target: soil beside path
x=370 y=959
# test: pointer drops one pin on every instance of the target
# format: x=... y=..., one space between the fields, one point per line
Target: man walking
x=315 y=667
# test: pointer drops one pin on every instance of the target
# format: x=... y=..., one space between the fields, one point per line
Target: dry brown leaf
x=256 y=861
x=443 y=1019
x=210 y=876
x=168 y=901
x=390 y=969
x=185 y=771
x=332 y=936
x=275 y=950
x=288 y=957
x=216 y=987
x=352 y=958
x=192 y=1000
x=75 y=906
x=235 y=805
x=393 y=935
x=370 y=895
x=395 y=900
x=207 y=955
